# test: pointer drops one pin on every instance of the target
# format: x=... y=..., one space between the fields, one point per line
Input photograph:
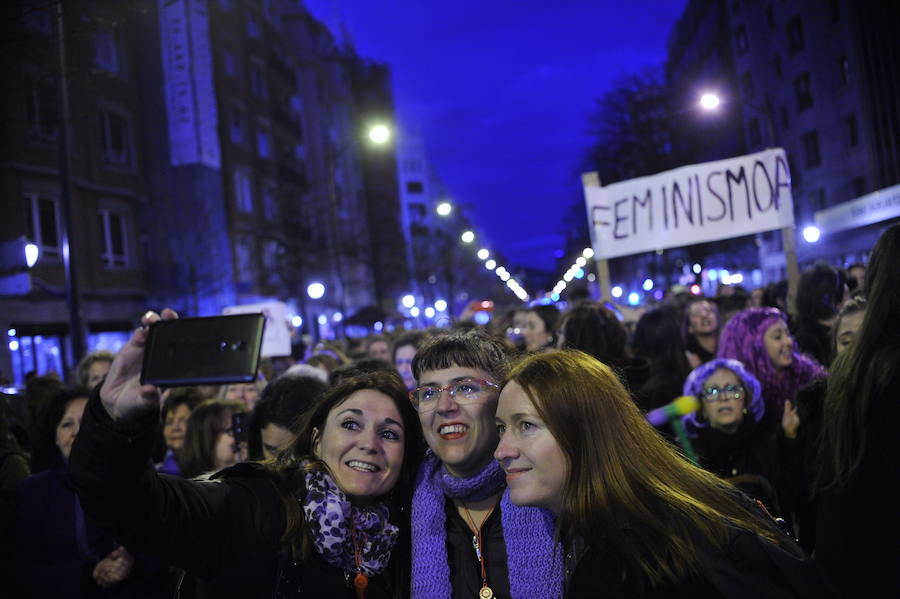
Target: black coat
x=749 y=459
x=226 y=531
x=748 y=567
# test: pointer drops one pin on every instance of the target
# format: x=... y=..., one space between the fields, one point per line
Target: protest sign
x=276 y=335
x=691 y=204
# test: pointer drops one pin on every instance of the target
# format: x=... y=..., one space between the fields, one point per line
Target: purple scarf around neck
x=534 y=561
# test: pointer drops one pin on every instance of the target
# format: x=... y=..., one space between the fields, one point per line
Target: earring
x=745 y=410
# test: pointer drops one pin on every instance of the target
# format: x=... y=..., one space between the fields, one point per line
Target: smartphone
x=210 y=350
x=239 y=428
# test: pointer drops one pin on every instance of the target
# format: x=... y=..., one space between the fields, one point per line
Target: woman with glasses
x=328 y=518
x=636 y=518
x=759 y=338
x=468 y=538
x=725 y=433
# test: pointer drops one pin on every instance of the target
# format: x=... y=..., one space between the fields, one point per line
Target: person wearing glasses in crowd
x=637 y=519
x=725 y=432
x=468 y=538
x=328 y=518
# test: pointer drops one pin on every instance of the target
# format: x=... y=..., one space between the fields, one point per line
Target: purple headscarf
x=742 y=340
x=694 y=386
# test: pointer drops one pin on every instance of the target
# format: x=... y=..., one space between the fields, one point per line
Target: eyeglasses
x=424 y=399
x=728 y=392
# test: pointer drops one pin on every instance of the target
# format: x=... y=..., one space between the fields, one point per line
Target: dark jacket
x=857 y=531
x=749 y=459
x=747 y=567
x=58 y=546
x=226 y=531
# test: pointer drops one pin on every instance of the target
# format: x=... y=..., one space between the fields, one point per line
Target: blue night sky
x=501 y=91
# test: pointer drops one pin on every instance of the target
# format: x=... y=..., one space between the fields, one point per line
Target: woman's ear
x=316 y=442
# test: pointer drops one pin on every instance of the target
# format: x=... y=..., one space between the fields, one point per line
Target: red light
x=695 y=289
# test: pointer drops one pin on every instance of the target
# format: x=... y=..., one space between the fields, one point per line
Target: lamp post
x=710 y=101
x=379 y=135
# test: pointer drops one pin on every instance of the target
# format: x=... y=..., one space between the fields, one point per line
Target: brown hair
x=470 y=349
x=203 y=428
x=628 y=491
x=291 y=465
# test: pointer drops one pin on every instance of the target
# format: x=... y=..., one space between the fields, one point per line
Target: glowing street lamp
x=379 y=134
x=315 y=290
x=811 y=234
x=483 y=254
x=709 y=101
x=444 y=208
x=467 y=237
x=408 y=301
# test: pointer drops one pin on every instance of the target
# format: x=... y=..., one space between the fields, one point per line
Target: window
x=859 y=186
x=37 y=16
x=740 y=39
x=114 y=251
x=844 y=66
x=236 y=125
x=747 y=84
x=108 y=55
x=115 y=141
x=414 y=187
x=42 y=224
x=816 y=200
x=229 y=62
x=802 y=90
x=785 y=117
x=776 y=63
x=753 y=130
x=41 y=111
x=257 y=80
x=851 y=130
x=795 y=35
x=243 y=259
x=263 y=141
x=270 y=202
x=811 y=149
x=271 y=252
x=252 y=25
x=243 y=190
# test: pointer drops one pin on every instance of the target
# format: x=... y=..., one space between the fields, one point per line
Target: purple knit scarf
x=534 y=561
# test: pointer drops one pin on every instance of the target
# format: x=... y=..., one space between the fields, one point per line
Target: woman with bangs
x=637 y=519
x=468 y=538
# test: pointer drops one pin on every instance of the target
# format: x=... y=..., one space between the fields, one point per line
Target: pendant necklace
x=477 y=544
x=360 y=581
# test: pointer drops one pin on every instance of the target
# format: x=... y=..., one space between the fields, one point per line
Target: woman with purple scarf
x=468 y=539
x=327 y=518
x=759 y=338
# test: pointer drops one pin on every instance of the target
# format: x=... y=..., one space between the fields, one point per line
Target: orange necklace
x=360 y=581
x=477 y=544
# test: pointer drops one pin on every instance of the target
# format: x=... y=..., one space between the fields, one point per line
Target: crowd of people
x=509 y=460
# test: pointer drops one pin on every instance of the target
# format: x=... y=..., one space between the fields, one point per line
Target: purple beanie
x=694 y=386
x=742 y=340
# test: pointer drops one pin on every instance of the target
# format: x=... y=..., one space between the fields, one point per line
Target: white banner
x=691 y=204
x=188 y=82
x=871 y=208
x=276 y=335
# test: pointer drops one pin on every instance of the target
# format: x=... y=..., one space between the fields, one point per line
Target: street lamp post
x=378 y=134
x=710 y=101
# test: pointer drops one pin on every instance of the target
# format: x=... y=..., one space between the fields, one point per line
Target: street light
x=408 y=301
x=444 y=208
x=483 y=254
x=379 y=134
x=811 y=234
x=32 y=252
x=709 y=101
x=467 y=237
x=315 y=290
